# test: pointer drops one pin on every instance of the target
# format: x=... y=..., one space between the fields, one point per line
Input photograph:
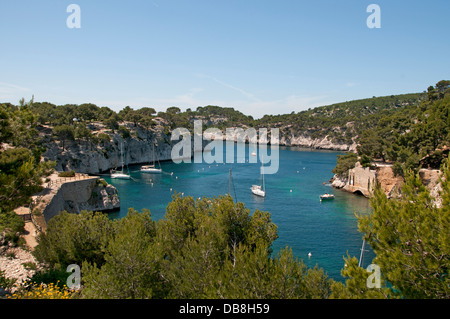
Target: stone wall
x=362 y=180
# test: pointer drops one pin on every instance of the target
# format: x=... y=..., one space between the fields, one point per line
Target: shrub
x=102 y=182
x=67 y=174
x=103 y=137
x=344 y=163
x=6 y=283
x=124 y=132
x=366 y=161
x=11 y=225
x=42 y=291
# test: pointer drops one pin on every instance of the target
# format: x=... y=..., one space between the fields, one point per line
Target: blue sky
x=258 y=56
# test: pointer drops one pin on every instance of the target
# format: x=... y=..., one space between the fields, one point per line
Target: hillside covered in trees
x=341 y=123
x=411 y=137
x=216 y=248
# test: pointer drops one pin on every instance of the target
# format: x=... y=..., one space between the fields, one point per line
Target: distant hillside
x=410 y=136
x=336 y=126
x=371 y=126
x=342 y=122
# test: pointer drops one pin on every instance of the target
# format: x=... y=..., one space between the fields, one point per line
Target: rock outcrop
x=91 y=194
x=73 y=195
x=324 y=143
x=94 y=158
x=145 y=146
x=362 y=180
x=431 y=179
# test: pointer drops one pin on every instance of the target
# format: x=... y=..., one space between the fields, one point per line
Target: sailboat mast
x=153 y=157
x=121 y=155
x=362 y=252
x=229 y=184
x=262 y=173
x=264 y=184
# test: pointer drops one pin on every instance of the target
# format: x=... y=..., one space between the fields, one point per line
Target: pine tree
x=410 y=238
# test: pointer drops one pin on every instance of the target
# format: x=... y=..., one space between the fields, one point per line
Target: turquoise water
x=327 y=230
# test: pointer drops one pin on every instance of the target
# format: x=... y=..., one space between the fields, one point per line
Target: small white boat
x=150 y=169
x=253 y=153
x=256 y=189
x=326 y=196
x=259 y=190
x=120 y=175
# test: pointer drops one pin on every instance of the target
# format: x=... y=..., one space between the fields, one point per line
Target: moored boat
x=326 y=197
x=150 y=169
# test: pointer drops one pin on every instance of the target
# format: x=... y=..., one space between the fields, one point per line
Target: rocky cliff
x=74 y=195
x=325 y=143
x=362 y=180
x=143 y=146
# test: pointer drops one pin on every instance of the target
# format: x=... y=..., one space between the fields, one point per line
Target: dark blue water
x=327 y=230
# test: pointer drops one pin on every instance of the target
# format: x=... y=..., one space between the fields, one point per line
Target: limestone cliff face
x=86 y=157
x=144 y=146
x=362 y=180
x=89 y=194
x=315 y=143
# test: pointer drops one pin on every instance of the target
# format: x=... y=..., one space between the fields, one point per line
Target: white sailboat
x=260 y=190
x=120 y=174
x=151 y=168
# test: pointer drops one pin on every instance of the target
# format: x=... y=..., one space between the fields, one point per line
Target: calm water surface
x=327 y=230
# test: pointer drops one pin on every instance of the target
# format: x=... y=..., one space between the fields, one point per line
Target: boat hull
x=256 y=190
x=120 y=176
x=151 y=170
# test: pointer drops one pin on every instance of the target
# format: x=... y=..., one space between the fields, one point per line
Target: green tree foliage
x=411 y=237
x=71 y=239
x=112 y=122
x=355 y=286
x=124 y=132
x=409 y=135
x=344 y=163
x=10 y=226
x=64 y=133
x=132 y=262
x=20 y=167
x=6 y=131
x=20 y=177
x=82 y=132
x=371 y=145
x=208 y=248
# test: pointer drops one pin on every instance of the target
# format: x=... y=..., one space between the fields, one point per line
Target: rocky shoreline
x=143 y=147
x=361 y=180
